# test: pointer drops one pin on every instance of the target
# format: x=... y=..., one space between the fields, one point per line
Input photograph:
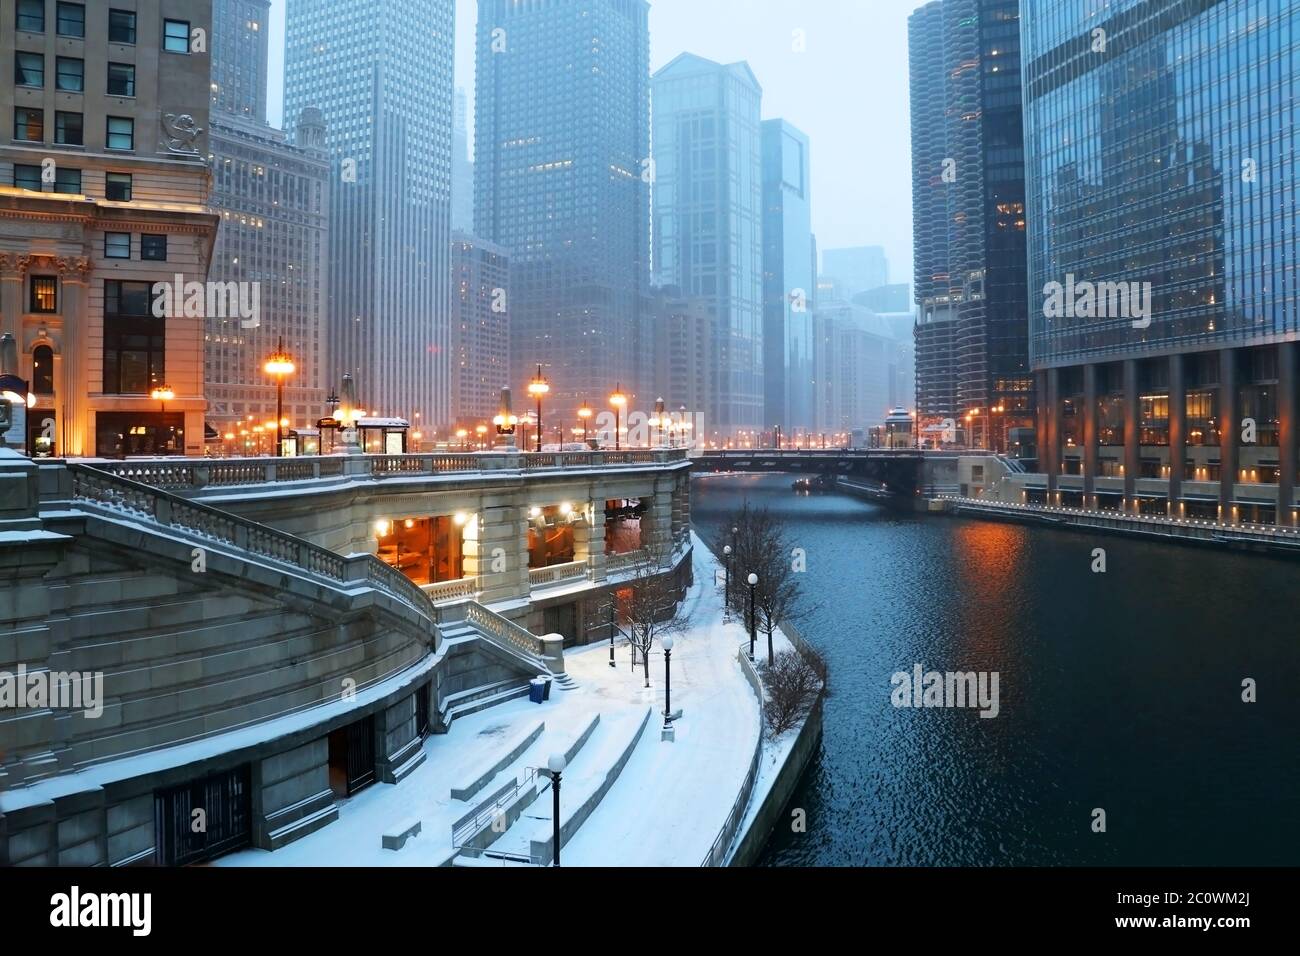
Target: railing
x=556 y=573
x=496 y=629
x=478 y=819
x=382 y=465
x=198 y=521
x=717 y=854
x=626 y=560
x=444 y=591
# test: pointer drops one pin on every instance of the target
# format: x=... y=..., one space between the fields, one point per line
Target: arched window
x=43 y=370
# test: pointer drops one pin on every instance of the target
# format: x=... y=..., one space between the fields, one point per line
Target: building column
x=1227 y=433
x=1177 y=434
x=1132 y=434
x=1090 y=436
x=75 y=434
x=656 y=521
x=1053 y=432
x=501 y=561
x=12 y=270
x=1286 y=439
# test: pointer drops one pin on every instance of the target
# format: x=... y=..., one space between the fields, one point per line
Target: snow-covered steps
x=566 y=682
x=467 y=790
x=598 y=756
x=480 y=698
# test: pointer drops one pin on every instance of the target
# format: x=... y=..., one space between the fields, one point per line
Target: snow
x=665 y=808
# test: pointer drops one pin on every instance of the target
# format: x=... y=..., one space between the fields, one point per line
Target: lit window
x=45 y=296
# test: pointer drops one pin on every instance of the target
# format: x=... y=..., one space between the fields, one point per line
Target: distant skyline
x=848 y=92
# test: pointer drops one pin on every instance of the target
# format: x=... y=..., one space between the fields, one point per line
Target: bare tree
x=653 y=610
x=760 y=546
x=792 y=682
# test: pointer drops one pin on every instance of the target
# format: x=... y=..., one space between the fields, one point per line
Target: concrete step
x=479 y=703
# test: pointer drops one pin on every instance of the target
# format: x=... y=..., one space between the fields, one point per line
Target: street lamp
x=556 y=765
x=753 y=582
x=726 y=589
x=584 y=413
x=537 y=388
x=481 y=431
x=162 y=395
x=618 y=400
x=280 y=365
x=668 y=679
x=463 y=435
x=660 y=415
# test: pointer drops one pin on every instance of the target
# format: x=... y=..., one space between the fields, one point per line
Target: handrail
x=722 y=842
x=474 y=822
x=204 y=523
x=556 y=573
x=497 y=630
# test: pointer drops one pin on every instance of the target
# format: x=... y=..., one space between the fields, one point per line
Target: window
x=27 y=177
x=134 y=340
x=43 y=370
x=121 y=26
x=176 y=36
x=29 y=69
x=70 y=74
x=67 y=129
x=29 y=125
x=117 y=245
x=67 y=180
x=153 y=248
x=45 y=295
x=117 y=187
x=121 y=133
x=121 y=79
x=71 y=20
x=31 y=16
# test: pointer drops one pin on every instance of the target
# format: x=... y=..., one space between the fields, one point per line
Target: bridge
x=897 y=469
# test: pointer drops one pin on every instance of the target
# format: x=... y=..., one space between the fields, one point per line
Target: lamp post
x=618 y=400
x=753 y=582
x=280 y=365
x=613 y=625
x=726 y=589
x=668 y=679
x=481 y=431
x=162 y=395
x=659 y=420
x=537 y=388
x=556 y=765
x=463 y=435
x=584 y=413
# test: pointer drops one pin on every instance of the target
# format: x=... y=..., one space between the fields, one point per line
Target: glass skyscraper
x=708 y=224
x=788 y=279
x=1161 y=141
x=561 y=181
x=380 y=71
x=969 y=212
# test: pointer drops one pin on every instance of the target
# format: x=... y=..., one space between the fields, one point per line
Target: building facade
x=789 y=291
x=103 y=185
x=381 y=75
x=480 y=328
x=863 y=367
x=1161 y=254
x=708 y=221
x=856 y=268
x=562 y=179
x=683 y=355
x=969 y=214
x=462 y=170
x=273 y=199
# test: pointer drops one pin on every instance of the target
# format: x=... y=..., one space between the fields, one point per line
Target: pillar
x=1286 y=439
x=501 y=560
x=1089 y=436
x=1053 y=458
x=1132 y=434
x=1177 y=433
x=72 y=411
x=1227 y=432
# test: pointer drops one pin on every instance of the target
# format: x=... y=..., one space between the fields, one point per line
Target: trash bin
x=546 y=685
x=536 y=690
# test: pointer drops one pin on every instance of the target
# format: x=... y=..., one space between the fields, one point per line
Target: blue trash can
x=546 y=685
x=536 y=690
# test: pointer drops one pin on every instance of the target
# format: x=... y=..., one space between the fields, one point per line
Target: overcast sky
x=847 y=91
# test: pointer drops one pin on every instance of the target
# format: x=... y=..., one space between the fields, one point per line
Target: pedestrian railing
x=557 y=574
x=497 y=630
x=717 y=855
x=445 y=591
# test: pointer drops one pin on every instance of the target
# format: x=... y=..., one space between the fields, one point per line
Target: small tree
x=761 y=547
x=653 y=610
x=792 y=682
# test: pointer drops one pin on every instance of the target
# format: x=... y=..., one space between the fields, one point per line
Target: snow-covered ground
x=664 y=809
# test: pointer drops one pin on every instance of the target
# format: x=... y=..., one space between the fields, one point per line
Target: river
x=1119 y=691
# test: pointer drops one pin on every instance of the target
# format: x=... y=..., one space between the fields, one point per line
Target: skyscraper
x=857 y=268
x=380 y=71
x=462 y=170
x=788 y=278
x=969 y=214
x=1162 y=254
x=708 y=222
x=480 y=328
x=105 y=181
x=561 y=147
x=273 y=199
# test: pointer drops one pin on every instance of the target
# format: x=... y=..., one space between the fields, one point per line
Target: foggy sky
x=848 y=92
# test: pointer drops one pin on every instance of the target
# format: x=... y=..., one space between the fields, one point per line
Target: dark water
x=1119 y=690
